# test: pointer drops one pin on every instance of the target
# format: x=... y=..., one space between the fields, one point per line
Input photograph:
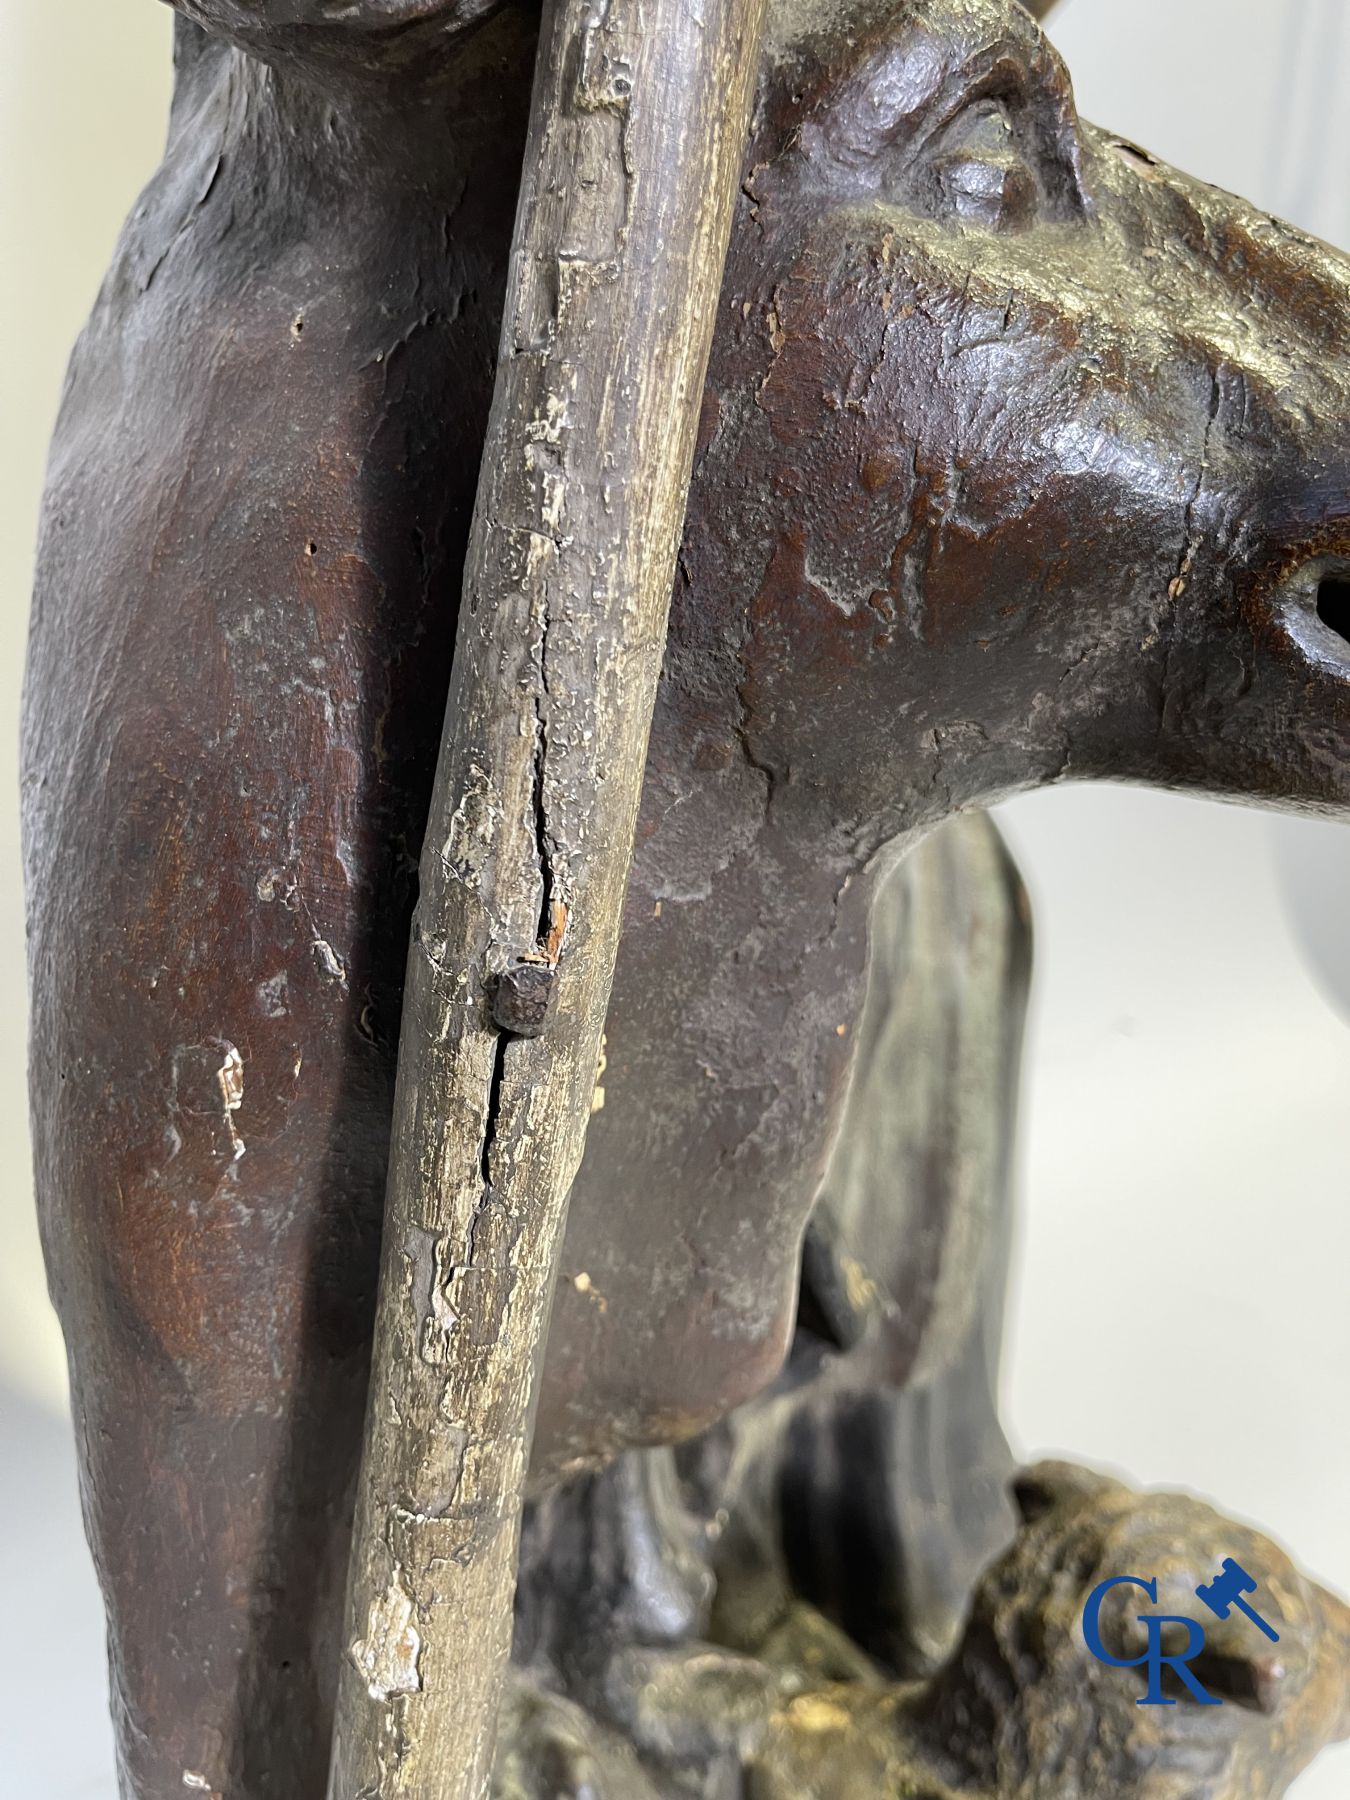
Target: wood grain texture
x=638 y=127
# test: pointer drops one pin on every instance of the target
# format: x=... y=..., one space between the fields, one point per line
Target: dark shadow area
x=1333 y=605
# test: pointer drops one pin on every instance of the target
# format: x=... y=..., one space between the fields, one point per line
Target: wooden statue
x=1022 y=459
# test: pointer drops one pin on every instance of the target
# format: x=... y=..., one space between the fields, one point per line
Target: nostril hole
x=1333 y=605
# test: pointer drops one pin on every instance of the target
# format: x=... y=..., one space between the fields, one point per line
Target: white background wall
x=1181 y=1294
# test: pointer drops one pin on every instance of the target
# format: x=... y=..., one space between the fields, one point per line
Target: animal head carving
x=1024 y=1711
x=1071 y=1724
x=1025 y=457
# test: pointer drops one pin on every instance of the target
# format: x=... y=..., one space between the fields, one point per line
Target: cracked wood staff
x=638 y=125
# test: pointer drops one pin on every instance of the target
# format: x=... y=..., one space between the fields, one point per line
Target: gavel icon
x=1225 y=1592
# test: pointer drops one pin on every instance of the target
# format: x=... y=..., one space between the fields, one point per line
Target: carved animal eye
x=981 y=174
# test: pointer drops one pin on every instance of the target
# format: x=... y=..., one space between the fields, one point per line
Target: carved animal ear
x=1038 y=1490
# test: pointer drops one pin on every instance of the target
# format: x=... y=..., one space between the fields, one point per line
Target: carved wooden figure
x=1023 y=459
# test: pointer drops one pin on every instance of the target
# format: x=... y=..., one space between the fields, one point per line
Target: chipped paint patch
x=858 y=1284
x=386 y=1657
x=273 y=996
x=472 y=827
x=276 y=884
x=230 y=1076
x=330 y=962
x=811 y=1712
x=598 y=1097
x=584 y=1285
x=433 y=1272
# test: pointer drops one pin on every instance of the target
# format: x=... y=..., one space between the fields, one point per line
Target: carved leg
x=218 y=1390
x=888 y=1479
x=210 y=1145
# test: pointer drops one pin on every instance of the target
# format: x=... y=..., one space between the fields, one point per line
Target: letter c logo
x=1092 y=1616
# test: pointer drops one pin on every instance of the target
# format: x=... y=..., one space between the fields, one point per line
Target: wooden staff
x=640 y=116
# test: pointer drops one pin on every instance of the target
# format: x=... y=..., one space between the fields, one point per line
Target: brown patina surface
x=1024 y=459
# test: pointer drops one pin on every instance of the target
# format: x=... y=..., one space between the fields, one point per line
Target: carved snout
x=1254 y=695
